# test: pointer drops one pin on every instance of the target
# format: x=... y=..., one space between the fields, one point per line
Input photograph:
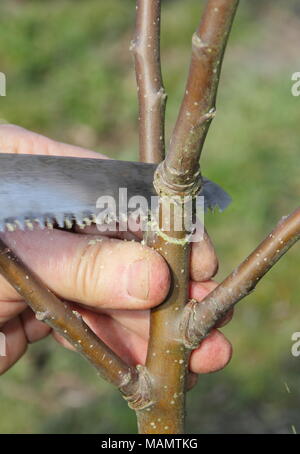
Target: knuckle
x=87 y=270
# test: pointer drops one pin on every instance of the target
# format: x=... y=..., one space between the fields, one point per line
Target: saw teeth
x=49 y=223
x=60 y=219
x=20 y=223
x=87 y=221
x=11 y=227
x=68 y=222
x=108 y=219
x=40 y=222
x=111 y=218
x=29 y=224
x=79 y=221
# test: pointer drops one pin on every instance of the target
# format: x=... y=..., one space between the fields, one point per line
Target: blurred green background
x=70 y=76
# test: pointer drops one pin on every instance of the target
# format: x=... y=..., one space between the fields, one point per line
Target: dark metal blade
x=48 y=189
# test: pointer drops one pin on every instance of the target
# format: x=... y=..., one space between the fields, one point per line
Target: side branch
x=151 y=93
x=198 y=106
x=200 y=318
x=49 y=309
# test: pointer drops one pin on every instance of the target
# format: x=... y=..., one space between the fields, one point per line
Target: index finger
x=17 y=140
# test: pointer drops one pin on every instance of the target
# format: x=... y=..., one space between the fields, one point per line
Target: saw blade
x=56 y=190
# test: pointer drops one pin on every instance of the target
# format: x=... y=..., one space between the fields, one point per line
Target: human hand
x=111 y=282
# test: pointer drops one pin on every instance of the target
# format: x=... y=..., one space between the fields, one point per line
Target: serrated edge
x=67 y=221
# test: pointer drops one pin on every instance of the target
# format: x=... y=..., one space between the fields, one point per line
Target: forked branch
x=200 y=318
x=49 y=309
x=167 y=358
x=151 y=92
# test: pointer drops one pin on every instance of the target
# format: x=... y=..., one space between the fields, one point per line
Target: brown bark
x=157 y=391
x=180 y=171
x=199 y=319
x=49 y=309
x=167 y=356
x=151 y=92
x=179 y=176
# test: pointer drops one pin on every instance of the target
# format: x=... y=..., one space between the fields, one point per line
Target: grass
x=70 y=76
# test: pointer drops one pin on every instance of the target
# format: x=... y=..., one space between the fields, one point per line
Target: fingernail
x=138 y=279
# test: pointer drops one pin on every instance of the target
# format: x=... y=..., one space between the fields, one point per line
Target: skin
x=113 y=283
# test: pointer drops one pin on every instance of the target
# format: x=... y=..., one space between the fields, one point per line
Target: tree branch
x=151 y=93
x=168 y=358
x=131 y=381
x=200 y=318
x=180 y=171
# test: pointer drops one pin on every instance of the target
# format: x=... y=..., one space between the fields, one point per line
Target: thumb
x=96 y=271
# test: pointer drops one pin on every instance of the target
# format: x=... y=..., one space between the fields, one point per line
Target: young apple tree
x=156 y=391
